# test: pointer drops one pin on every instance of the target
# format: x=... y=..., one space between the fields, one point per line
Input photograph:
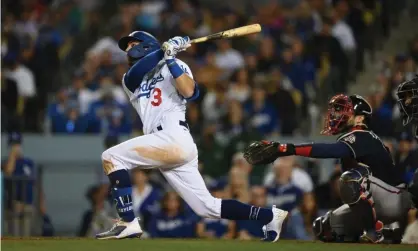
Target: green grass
x=57 y=244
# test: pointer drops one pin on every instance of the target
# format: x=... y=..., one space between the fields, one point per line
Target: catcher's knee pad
x=351 y=184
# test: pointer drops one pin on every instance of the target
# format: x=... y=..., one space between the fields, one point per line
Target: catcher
x=369 y=183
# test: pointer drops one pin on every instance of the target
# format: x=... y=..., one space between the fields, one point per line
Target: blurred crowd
x=63 y=69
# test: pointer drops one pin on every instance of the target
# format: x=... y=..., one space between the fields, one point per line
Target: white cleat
x=121 y=230
x=274 y=227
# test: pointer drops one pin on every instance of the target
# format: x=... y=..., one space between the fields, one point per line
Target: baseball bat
x=236 y=32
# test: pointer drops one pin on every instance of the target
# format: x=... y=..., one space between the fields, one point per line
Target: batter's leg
x=148 y=151
x=188 y=182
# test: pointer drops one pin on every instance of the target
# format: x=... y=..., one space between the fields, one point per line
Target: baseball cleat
x=272 y=230
x=373 y=236
x=121 y=230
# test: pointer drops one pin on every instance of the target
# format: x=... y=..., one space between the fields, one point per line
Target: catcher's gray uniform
x=390 y=204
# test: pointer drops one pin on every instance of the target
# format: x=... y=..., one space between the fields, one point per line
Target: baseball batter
x=159 y=86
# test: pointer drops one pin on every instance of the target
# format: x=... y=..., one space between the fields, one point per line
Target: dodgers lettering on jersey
x=156 y=99
x=179 y=226
x=286 y=197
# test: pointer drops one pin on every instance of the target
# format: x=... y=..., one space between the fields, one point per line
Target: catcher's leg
x=188 y=182
x=354 y=190
x=340 y=225
x=148 y=151
x=373 y=201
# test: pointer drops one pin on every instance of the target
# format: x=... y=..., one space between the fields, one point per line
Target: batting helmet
x=139 y=36
x=147 y=45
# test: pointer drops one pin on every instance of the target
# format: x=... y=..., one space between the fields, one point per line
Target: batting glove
x=175 y=45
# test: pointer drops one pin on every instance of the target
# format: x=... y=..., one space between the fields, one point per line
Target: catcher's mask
x=407 y=94
x=147 y=45
x=342 y=108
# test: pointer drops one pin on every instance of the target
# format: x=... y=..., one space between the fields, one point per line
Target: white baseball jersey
x=156 y=100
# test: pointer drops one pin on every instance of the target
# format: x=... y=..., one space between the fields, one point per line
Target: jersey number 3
x=156 y=97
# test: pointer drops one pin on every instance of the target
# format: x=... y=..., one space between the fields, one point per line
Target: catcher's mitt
x=262 y=152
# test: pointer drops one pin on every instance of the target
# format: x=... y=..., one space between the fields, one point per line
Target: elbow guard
x=196 y=93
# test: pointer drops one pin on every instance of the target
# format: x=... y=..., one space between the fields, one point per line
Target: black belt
x=182 y=123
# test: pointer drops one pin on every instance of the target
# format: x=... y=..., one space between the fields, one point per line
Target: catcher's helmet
x=340 y=110
x=407 y=94
x=147 y=45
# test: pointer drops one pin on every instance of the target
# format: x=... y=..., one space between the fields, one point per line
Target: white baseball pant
x=173 y=151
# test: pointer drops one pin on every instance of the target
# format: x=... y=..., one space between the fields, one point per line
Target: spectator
x=238 y=185
x=81 y=94
x=95 y=219
x=19 y=177
x=285 y=195
x=406 y=157
x=108 y=86
x=329 y=58
x=239 y=161
x=71 y=121
x=249 y=230
x=299 y=177
x=232 y=124
x=21 y=75
x=107 y=114
x=267 y=55
x=209 y=73
x=172 y=221
x=263 y=116
x=216 y=228
x=228 y=58
x=145 y=197
x=282 y=192
x=282 y=99
x=214 y=104
x=211 y=154
x=353 y=14
x=343 y=33
x=240 y=89
x=382 y=114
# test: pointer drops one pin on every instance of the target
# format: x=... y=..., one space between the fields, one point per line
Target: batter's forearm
x=185 y=85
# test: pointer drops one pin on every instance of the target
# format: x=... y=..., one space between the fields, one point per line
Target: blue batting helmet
x=140 y=36
x=147 y=44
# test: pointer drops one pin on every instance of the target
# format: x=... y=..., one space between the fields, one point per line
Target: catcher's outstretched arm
x=322 y=150
x=265 y=152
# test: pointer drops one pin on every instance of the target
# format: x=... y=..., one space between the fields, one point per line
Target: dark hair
x=165 y=198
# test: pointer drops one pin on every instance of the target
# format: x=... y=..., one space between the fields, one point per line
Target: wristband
x=174 y=68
